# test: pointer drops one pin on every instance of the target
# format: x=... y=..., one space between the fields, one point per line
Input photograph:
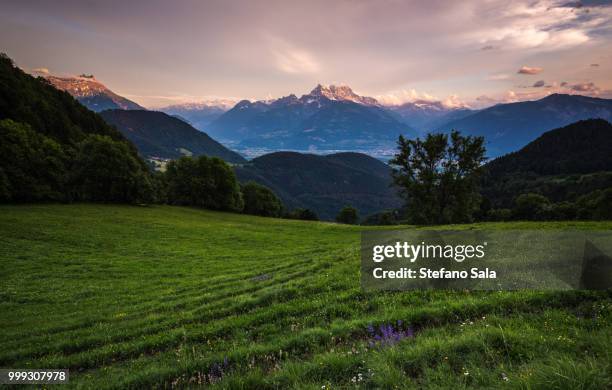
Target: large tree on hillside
x=438 y=177
x=203 y=182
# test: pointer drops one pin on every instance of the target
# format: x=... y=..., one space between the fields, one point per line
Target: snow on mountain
x=92 y=93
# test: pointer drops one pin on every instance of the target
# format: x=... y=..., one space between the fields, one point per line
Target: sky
x=474 y=53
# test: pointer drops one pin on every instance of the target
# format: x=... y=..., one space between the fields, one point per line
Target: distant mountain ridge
x=92 y=94
x=324 y=183
x=157 y=134
x=200 y=114
x=508 y=127
x=329 y=117
x=425 y=115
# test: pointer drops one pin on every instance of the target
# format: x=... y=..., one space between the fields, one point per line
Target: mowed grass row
x=167 y=296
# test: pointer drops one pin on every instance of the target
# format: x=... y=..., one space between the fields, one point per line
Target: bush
x=348 y=215
x=596 y=205
x=530 y=206
x=260 y=200
x=383 y=218
x=303 y=214
x=203 y=182
x=499 y=215
x=106 y=170
x=561 y=211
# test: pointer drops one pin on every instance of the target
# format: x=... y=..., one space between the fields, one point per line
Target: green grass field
x=167 y=296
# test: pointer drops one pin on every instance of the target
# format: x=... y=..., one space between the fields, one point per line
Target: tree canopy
x=203 y=182
x=260 y=200
x=438 y=177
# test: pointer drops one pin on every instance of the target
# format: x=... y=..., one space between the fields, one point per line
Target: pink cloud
x=529 y=70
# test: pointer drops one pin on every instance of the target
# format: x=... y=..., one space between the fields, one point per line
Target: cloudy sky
x=461 y=52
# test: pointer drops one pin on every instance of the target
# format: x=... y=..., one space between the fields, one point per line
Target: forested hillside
x=157 y=134
x=562 y=165
x=325 y=184
x=54 y=148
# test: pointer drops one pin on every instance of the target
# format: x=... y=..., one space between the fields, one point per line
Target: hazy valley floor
x=162 y=296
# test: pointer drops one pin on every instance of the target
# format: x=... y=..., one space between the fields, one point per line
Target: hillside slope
x=160 y=135
x=324 y=184
x=160 y=297
x=561 y=164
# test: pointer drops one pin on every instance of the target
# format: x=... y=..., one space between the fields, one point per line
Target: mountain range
x=327 y=118
x=335 y=118
x=324 y=184
x=508 y=127
x=92 y=94
x=200 y=114
x=426 y=115
x=160 y=135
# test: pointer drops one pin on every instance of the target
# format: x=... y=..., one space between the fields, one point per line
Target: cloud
x=498 y=77
x=529 y=70
x=585 y=87
x=594 y=65
x=292 y=60
x=399 y=97
x=539 y=84
x=40 y=71
x=545 y=25
x=487 y=47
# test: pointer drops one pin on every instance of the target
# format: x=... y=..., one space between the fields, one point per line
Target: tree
x=203 y=182
x=260 y=200
x=597 y=205
x=530 y=206
x=439 y=179
x=33 y=166
x=348 y=215
x=106 y=170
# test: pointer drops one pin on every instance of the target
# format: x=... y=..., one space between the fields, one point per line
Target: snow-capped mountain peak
x=338 y=93
x=92 y=93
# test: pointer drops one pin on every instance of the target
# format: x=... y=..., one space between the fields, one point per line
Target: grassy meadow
x=133 y=297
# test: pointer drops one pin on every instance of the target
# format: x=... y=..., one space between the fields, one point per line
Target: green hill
x=157 y=134
x=560 y=164
x=143 y=297
x=324 y=184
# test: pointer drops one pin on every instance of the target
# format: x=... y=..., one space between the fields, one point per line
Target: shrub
x=596 y=205
x=530 y=206
x=499 y=215
x=260 y=200
x=384 y=218
x=303 y=214
x=348 y=215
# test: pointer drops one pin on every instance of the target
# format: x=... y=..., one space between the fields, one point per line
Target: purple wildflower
x=388 y=335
